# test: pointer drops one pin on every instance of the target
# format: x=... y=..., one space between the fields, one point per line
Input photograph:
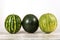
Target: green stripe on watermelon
x=13 y=23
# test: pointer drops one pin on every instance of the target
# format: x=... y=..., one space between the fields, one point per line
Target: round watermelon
x=13 y=23
x=30 y=23
x=48 y=23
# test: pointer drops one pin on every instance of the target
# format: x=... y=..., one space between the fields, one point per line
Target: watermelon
x=13 y=23
x=30 y=23
x=48 y=23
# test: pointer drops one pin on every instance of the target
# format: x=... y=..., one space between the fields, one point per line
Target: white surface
x=23 y=7
x=29 y=36
x=22 y=35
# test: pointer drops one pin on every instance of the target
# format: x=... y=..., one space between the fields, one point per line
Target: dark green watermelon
x=13 y=23
x=30 y=23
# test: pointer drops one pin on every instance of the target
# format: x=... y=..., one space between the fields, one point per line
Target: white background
x=24 y=7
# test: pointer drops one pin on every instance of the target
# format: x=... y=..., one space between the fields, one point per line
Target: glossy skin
x=30 y=23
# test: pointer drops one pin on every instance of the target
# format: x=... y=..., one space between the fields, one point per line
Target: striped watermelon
x=48 y=23
x=13 y=23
